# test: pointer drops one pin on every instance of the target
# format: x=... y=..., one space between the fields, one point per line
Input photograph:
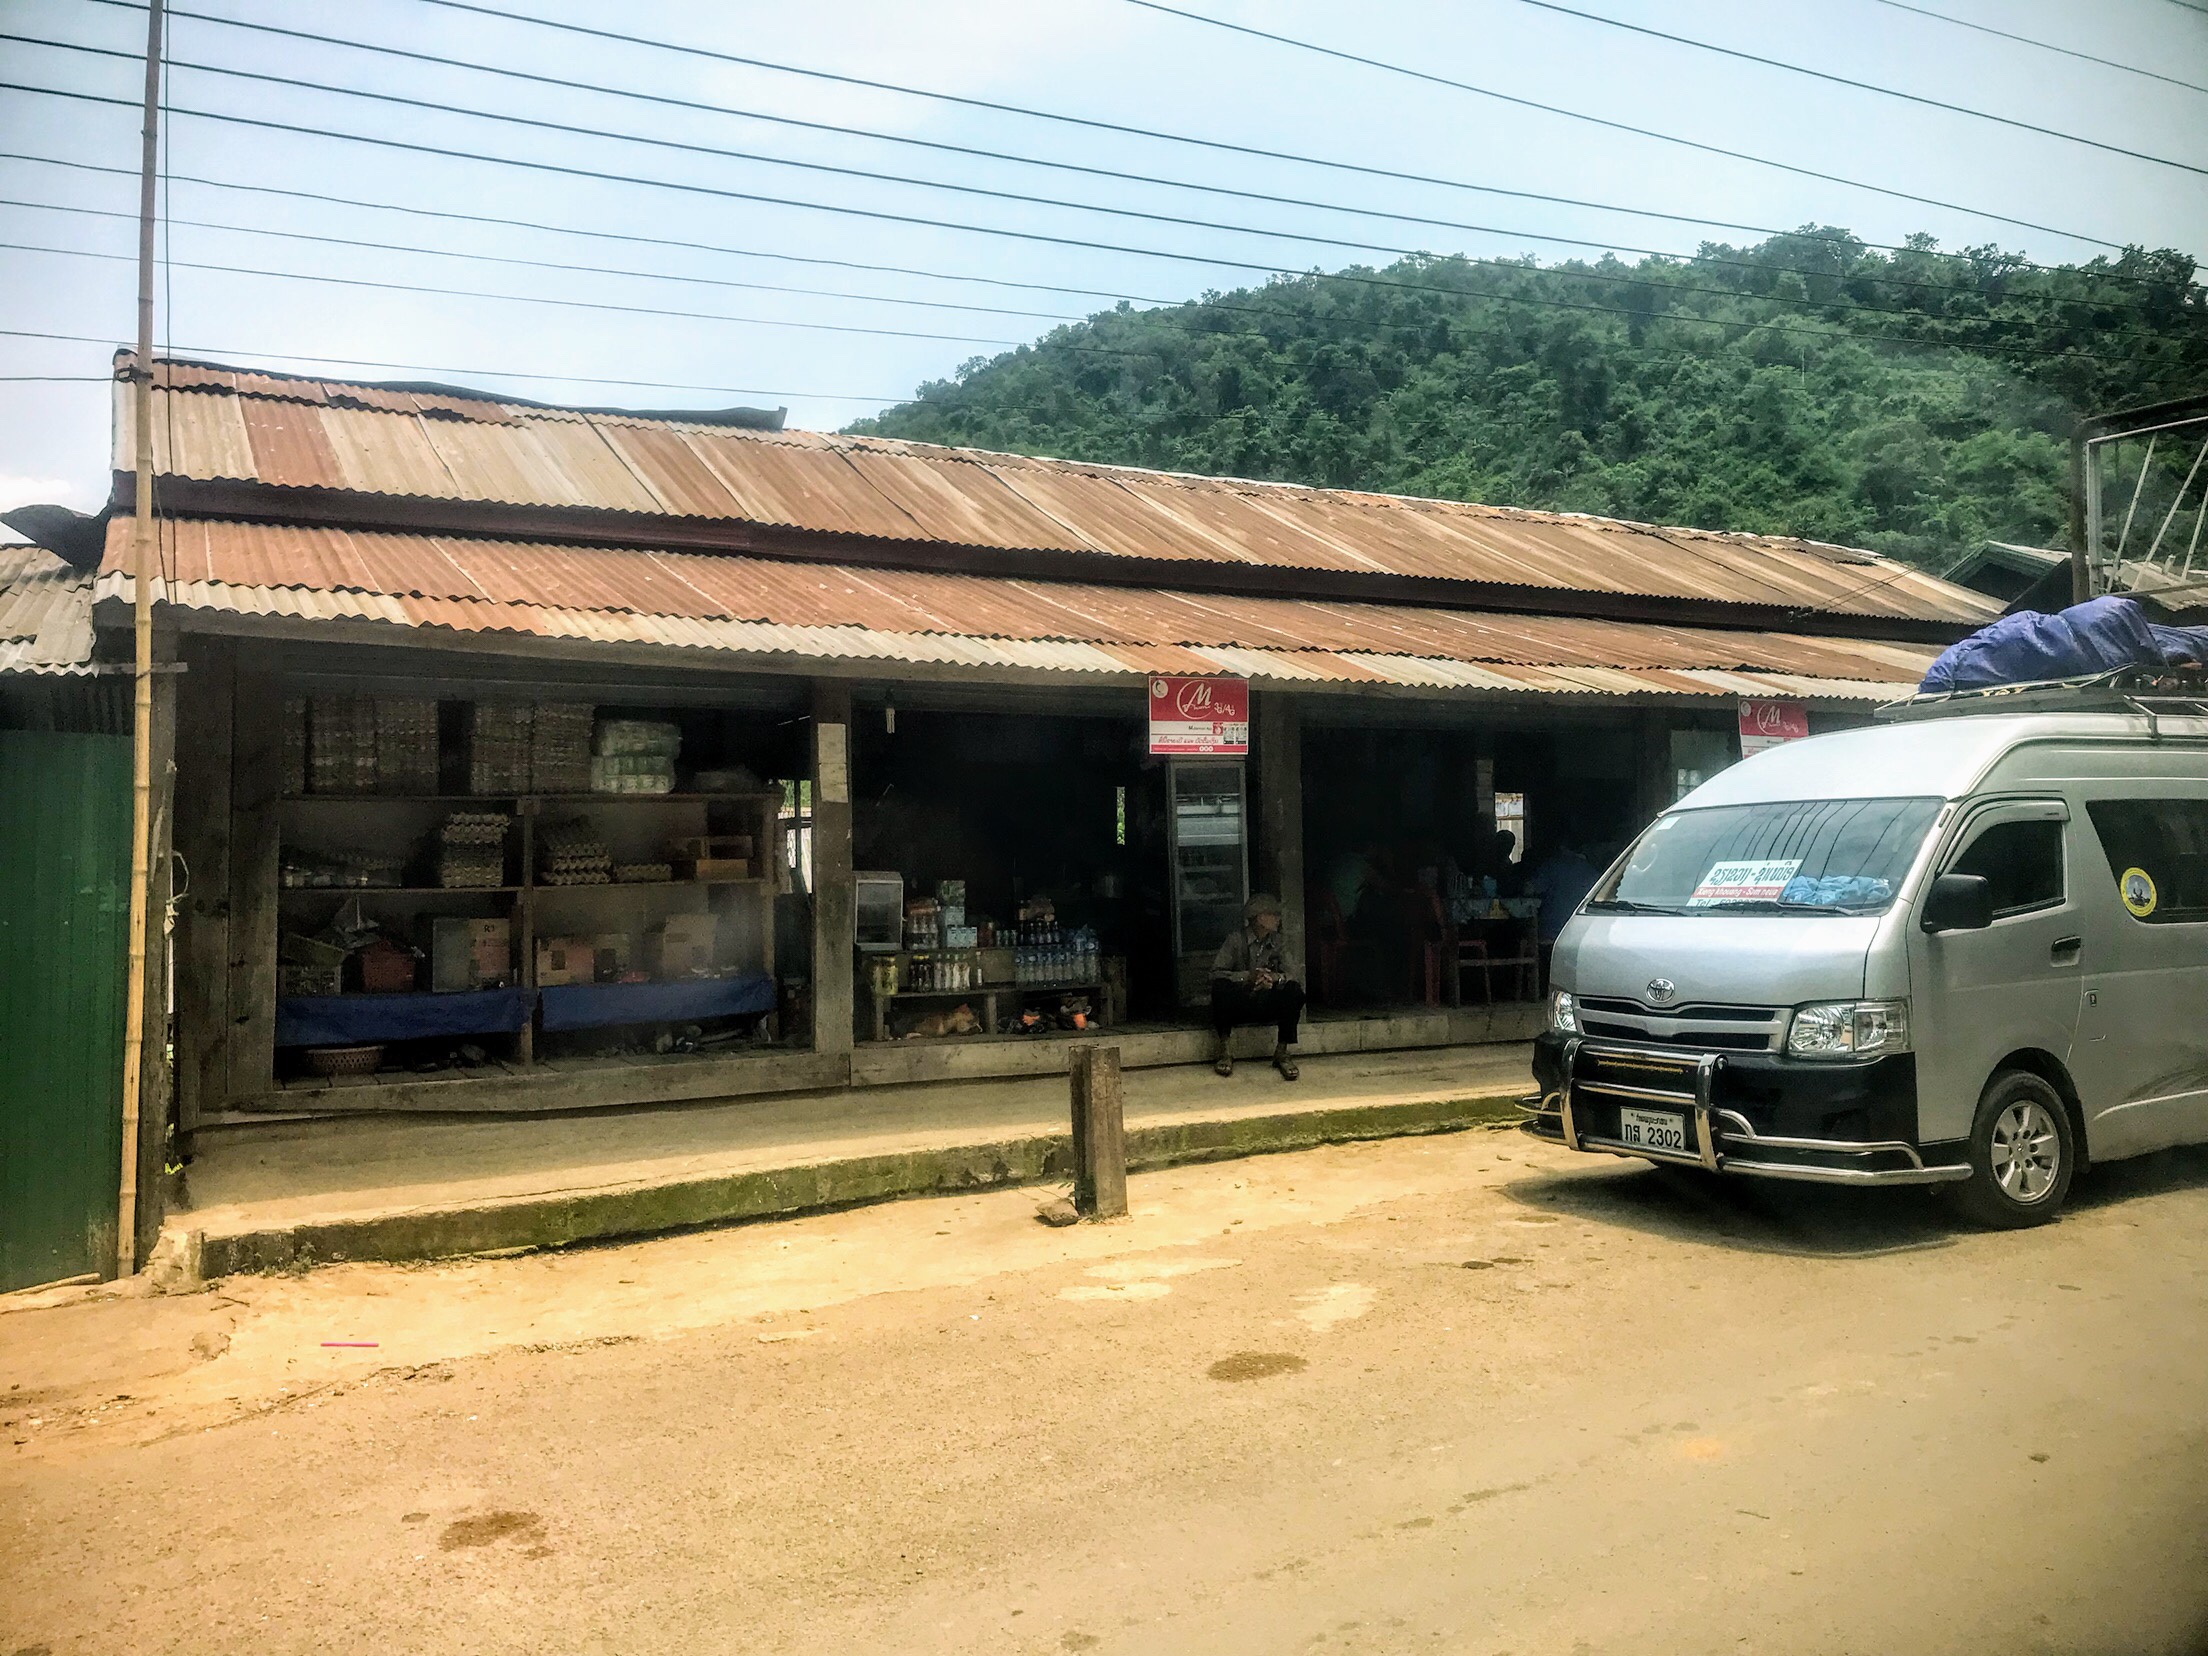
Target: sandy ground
x=1464 y=1394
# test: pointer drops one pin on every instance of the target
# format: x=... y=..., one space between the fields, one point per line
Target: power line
x=524 y=298
x=541 y=264
x=476 y=373
x=1132 y=131
x=1862 y=85
x=840 y=130
x=596 y=235
x=1307 y=238
x=1885 y=278
x=1611 y=278
x=871 y=175
x=1025 y=235
x=2042 y=45
x=1219 y=145
x=1207 y=260
x=1617 y=126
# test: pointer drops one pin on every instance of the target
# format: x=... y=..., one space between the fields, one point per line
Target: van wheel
x=2022 y=1154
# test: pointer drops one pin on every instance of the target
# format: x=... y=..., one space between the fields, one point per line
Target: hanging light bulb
x=889 y=713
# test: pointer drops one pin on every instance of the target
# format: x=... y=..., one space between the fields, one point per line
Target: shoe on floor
x=1285 y=1062
x=1223 y=1065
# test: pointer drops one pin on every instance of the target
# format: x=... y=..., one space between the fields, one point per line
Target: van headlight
x=1563 y=1014
x=1848 y=1029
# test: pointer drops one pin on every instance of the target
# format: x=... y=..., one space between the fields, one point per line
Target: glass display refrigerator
x=1209 y=845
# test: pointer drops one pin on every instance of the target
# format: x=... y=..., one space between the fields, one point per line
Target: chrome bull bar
x=1716 y=1131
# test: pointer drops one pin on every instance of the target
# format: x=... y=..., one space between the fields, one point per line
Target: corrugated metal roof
x=217 y=424
x=765 y=606
x=45 y=613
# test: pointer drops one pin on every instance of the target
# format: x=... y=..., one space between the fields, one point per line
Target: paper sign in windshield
x=1744 y=882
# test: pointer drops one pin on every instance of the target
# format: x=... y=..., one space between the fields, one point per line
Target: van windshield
x=1834 y=856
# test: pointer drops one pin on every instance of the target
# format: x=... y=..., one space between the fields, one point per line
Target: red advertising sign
x=1199 y=715
x=1768 y=723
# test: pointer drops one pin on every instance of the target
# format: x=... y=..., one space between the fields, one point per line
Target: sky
x=859 y=339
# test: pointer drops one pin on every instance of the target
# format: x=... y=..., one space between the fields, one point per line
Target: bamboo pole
x=138 y=992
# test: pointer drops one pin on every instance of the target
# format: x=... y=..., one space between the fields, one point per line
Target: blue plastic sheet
x=1836 y=891
x=2094 y=637
x=604 y=1005
x=356 y=1020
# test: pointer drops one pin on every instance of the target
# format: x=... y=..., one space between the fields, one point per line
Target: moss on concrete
x=643 y=1210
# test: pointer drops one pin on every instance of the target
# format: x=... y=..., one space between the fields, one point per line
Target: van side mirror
x=1959 y=902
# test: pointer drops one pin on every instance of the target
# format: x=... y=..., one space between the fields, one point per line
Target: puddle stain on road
x=489 y=1527
x=1256 y=1365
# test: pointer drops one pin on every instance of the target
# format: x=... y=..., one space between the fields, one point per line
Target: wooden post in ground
x=833 y=894
x=1099 y=1134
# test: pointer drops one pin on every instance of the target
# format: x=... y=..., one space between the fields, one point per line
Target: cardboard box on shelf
x=681 y=946
x=564 y=960
x=469 y=953
x=712 y=856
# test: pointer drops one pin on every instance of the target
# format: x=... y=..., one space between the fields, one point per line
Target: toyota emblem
x=1661 y=991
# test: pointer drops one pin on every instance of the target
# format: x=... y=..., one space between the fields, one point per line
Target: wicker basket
x=345 y=1060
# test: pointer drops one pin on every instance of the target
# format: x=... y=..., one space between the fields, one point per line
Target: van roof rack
x=2144 y=691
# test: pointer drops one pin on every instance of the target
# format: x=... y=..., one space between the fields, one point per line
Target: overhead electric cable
x=1646 y=317
x=1304 y=238
x=1618 y=126
x=1089 y=123
x=526 y=298
x=1864 y=86
x=544 y=264
x=1025 y=235
x=1821 y=306
x=2042 y=45
x=482 y=373
x=1884 y=278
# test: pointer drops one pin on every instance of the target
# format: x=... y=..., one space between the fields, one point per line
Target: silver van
x=1967 y=949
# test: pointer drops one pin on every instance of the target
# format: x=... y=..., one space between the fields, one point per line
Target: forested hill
x=1916 y=402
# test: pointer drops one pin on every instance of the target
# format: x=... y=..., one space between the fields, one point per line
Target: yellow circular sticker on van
x=2137 y=887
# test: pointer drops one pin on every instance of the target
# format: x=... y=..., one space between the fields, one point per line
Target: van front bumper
x=1748 y=1113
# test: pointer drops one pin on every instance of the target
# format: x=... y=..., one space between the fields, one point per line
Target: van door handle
x=2065 y=951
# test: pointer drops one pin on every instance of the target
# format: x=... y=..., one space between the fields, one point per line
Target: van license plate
x=1653 y=1130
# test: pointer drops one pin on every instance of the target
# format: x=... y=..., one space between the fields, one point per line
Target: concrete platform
x=603 y=1083
x=288 y=1194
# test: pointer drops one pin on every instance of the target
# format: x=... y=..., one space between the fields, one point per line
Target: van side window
x=2157 y=852
x=2021 y=860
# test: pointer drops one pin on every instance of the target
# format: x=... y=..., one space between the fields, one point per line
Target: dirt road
x=1463 y=1394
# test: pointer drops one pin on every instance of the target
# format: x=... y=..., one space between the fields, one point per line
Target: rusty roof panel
x=582 y=468
x=850 y=643
x=906 y=615
x=671 y=467
x=383 y=452
x=798 y=486
x=380 y=440
x=45 y=613
x=962 y=503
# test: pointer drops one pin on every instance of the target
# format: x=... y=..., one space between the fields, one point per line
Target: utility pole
x=142 y=561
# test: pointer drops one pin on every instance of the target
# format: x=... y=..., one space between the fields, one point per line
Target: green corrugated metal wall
x=64 y=918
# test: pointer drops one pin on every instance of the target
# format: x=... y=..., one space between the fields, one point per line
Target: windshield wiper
x=1626 y=905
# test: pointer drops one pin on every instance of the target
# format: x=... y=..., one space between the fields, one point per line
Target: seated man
x=1250 y=985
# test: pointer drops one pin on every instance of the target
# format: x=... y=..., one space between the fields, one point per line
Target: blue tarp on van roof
x=2097 y=636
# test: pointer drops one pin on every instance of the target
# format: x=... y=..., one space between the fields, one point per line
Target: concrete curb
x=769 y=1193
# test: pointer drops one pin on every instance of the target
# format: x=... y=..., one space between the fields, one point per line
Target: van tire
x=2021 y=1126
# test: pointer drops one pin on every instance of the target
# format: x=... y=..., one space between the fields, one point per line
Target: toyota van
x=1965 y=948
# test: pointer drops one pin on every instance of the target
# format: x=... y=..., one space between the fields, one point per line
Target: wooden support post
x=256 y=843
x=1651 y=766
x=203 y=915
x=833 y=894
x=1280 y=819
x=1099 y=1134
